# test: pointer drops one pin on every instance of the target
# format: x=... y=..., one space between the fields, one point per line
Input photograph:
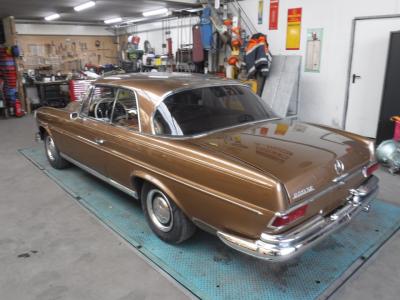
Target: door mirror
x=73 y=116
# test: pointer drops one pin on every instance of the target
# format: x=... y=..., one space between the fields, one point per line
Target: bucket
x=396 y=135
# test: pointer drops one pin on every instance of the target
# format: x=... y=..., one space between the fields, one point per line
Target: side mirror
x=73 y=116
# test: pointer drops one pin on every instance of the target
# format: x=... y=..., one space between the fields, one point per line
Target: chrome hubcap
x=159 y=209
x=50 y=148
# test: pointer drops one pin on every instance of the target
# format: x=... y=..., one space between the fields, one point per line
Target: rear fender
x=150 y=178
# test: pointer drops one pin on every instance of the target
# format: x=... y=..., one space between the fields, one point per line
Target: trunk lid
x=301 y=156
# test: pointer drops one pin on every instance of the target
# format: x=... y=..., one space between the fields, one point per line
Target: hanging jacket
x=258 y=57
x=198 y=52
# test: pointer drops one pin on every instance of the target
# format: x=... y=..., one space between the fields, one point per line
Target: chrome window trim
x=89 y=96
x=179 y=90
x=101 y=176
x=200 y=135
x=83 y=117
x=137 y=108
x=199 y=86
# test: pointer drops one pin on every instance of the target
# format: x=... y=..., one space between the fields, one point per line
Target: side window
x=125 y=112
x=100 y=103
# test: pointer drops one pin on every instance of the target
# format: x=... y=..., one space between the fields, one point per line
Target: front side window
x=100 y=103
x=205 y=109
x=125 y=111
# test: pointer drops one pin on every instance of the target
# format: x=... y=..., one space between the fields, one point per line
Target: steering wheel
x=120 y=112
x=98 y=110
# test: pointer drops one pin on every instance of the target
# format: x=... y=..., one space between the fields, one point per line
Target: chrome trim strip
x=283 y=247
x=159 y=172
x=200 y=135
x=340 y=178
x=100 y=176
x=134 y=194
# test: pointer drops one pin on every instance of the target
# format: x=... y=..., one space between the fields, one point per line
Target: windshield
x=205 y=109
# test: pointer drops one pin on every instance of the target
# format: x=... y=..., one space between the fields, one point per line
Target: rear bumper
x=285 y=246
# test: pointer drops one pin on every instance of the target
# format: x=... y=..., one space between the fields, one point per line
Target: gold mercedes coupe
x=209 y=153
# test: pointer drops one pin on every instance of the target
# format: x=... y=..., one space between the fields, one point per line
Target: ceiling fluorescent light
x=156 y=12
x=135 y=20
x=85 y=6
x=113 y=20
x=52 y=17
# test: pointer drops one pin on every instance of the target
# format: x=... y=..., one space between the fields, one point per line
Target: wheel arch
x=139 y=178
x=43 y=130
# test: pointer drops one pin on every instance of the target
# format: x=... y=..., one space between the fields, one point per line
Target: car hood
x=300 y=155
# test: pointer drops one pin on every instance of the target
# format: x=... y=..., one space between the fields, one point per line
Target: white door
x=371 y=43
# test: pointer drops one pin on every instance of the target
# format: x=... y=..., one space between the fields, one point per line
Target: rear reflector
x=290 y=217
x=369 y=170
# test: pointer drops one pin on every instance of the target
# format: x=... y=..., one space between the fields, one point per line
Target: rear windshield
x=205 y=109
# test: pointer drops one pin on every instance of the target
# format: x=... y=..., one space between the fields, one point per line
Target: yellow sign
x=293 y=29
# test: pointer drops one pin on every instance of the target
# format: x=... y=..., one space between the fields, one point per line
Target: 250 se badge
x=303 y=192
x=202 y=152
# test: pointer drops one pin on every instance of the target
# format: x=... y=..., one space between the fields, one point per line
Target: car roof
x=158 y=84
x=153 y=87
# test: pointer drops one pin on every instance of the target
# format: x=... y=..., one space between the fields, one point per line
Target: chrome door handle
x=99 y=141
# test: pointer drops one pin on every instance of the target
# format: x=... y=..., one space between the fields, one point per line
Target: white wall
x=55 y=29
x=322 y=95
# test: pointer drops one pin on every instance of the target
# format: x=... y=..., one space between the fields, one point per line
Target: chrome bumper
x=285 y=246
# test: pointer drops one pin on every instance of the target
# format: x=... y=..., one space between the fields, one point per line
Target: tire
x=165 y=219
x=52 y=153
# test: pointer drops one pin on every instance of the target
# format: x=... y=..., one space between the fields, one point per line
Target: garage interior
x=332 y=63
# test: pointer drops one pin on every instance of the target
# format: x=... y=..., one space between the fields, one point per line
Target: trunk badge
x=303 y=192
x=339 y=167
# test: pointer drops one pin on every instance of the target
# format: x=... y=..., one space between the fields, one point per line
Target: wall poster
x=293 y=29
x=260 y=11
x=273 y=14
x=313 y=51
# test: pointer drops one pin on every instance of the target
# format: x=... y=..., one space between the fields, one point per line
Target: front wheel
x=52 y=153
x=165 y=218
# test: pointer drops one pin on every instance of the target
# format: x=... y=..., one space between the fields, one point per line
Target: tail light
x=370 y=169
x=283 y=220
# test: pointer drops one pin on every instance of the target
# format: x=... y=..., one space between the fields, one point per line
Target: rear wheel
x=166 y=220
x=52 y=153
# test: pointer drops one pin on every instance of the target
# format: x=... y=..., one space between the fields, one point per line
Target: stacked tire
x=8 y=72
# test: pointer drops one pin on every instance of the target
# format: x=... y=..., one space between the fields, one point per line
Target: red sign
x=273 y=14
x=294 y=15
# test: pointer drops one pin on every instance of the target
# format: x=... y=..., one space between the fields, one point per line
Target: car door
x=124 y=137
x=87 y=133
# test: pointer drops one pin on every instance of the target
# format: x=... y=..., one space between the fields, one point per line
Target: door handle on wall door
x=99 y=141
x=355 y=77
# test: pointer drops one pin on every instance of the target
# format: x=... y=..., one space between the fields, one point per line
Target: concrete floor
x=52 y=248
